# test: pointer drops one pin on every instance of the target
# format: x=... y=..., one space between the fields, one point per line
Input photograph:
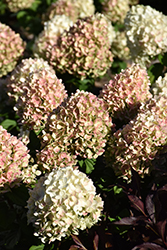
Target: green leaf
x=117 y=190
x=155 y=71
x=8 y=124
x=163 y=59
x=89 y=163
x=40 y=247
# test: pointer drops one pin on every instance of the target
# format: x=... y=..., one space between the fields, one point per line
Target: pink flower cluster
x=74 y=9
x=18 y=78
x=52 y=156
x=80 y=126
x=14 y=160
x=42 y=92
x=138 y=142
x=125 y=93
x=84 y=50
x=11 y=49
x=115 y=10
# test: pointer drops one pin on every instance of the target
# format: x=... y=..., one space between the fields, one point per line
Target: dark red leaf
x=96 y=242
x=150 y=206
x=74 y=247
x=148 y=246
x=130 y=221
x=137 y=203
x=161 y=226
x=77 y=241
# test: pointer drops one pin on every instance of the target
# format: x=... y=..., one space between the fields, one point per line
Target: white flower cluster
x=146 y=30
x=160 y=86
x=63 y=202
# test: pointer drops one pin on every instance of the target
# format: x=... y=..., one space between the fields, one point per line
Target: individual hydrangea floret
x=49 y=36
x=84 y=50
x=125 y=93
x=119 y=46
x=42 y=92
x=74 y=9
x=16 y=5
x=115 y=10
x=11 y=49
x=160 y=86
x=146 y=30
x=62 y=203
x=14 y=162
x=81 y=125
x=137 y=144
x=52 y=156
x=18 y=77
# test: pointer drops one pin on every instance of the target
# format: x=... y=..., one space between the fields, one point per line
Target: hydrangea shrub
x=11 y=49
x=63 y=202
x=146 y=30
x=137 y=143
x=125 y=93
x=80 y=126
x=84 y=50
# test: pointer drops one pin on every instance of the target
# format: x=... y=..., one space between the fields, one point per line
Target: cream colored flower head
x=146 y=30
x=160 y=86
x=16 y=5
x=63 y=202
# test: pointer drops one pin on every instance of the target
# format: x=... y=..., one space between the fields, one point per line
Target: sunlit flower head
x=17 y=5
x=61 y=203
x=14 y=162
x=11 y=49
x=146 y=30
x=84 y=50
x=81 y=125
x=125 y=93
x=137 y=143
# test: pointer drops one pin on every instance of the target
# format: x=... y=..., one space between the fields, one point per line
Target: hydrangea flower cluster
x=80 y=126
x=160 y=86
x=119 y=46
x=18 y=77
x=48 y=37
x=16 y=5
x=42 y=92
x=146 y=30
x=63 y=202
x=125 y=93
x=84 y=50
x=11 y=49
x=115 y=10
x=138 y=142
x=52 y=156
x=74 y=9
x=14 y=162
